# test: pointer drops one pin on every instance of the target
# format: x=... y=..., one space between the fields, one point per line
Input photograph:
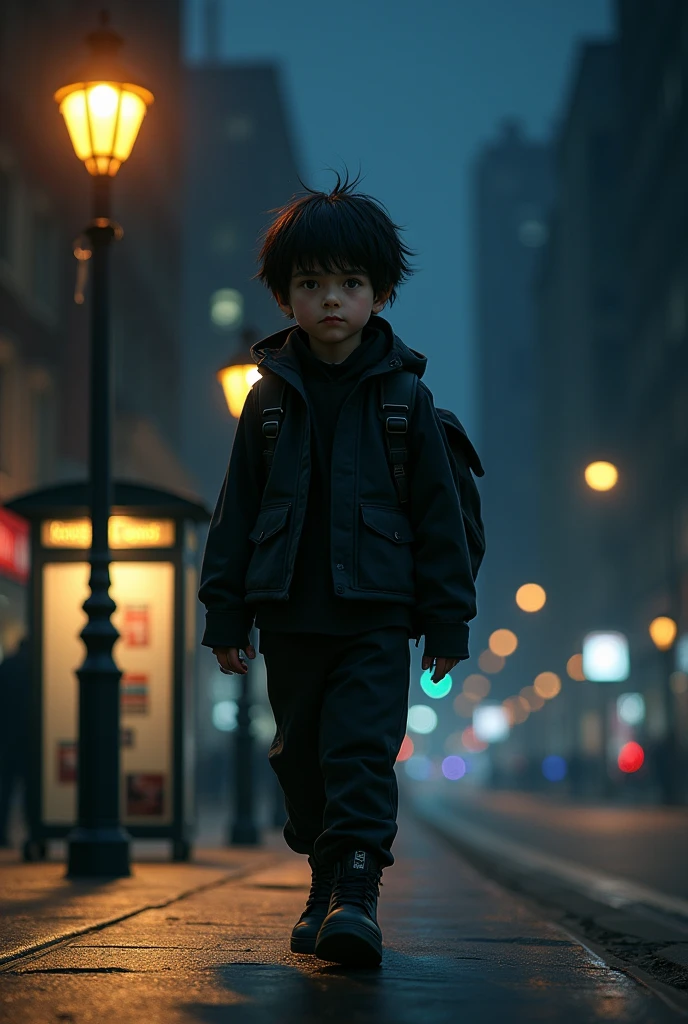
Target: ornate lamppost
x=103 y=112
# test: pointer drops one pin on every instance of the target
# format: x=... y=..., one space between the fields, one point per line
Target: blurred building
x=512 y=191
x=241 y=164
x=654 y=74
x=580 y=399
x=44 y=203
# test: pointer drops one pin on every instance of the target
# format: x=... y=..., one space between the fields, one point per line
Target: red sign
x=14 y=546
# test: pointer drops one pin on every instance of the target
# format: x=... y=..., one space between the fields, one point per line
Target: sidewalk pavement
x=207 y=943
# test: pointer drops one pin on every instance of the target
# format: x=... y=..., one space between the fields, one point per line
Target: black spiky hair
x=336 y=231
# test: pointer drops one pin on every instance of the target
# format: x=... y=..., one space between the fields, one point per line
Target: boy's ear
x=381 y=300
x=285 y=307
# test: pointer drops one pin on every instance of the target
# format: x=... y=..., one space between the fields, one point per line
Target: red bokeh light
x=406 y=749
x=631 y=757
x=471 y=742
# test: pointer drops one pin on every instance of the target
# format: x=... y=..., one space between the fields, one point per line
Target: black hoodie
x=380 y=553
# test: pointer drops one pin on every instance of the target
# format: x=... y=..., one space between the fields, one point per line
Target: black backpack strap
x=271 y=391
x=397 y=397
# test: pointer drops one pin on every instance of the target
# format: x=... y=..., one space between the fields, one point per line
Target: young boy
x=311 y=540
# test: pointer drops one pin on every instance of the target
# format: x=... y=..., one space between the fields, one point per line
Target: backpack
x=397 y=393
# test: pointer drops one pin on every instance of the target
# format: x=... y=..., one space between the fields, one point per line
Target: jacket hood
x=277 y=349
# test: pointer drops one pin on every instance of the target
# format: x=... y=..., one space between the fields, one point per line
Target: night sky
x=409 y=90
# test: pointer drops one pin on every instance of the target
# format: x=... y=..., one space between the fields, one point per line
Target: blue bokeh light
x=554 y=768
x=453 y=767
x=418 y=767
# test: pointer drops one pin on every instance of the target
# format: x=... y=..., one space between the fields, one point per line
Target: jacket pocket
x=267 y=568
x=385 y=552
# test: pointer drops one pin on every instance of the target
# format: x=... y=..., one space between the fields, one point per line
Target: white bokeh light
x=605 y=657
x=422 y=719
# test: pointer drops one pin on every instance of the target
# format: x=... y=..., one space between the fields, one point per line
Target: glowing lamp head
x=601 y=476
x=102 y=110
x=663 y=632
x=236 y=383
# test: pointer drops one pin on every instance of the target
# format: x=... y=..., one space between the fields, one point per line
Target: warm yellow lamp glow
x=103 y=120
x=663 y=632
x=476 y=687
x=574 y=667
x=531 y=597
x=236 y=383
x=547 y=685
x=491 y=663
x=503 y=642
x=601 y=476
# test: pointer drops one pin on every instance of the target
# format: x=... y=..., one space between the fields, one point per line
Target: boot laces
x=321 y=886
x=361 y=891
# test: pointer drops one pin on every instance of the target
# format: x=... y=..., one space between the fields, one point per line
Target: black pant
x=340 y=704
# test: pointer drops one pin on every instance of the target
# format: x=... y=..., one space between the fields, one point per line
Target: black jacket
x=379 y=552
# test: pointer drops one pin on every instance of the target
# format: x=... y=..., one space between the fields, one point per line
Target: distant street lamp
x=663 y=631
x=103 y=112
x=237 y=377
x=601 y=476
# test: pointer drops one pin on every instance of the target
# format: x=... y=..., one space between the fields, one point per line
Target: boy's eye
x=353 y=281
x=307 y=285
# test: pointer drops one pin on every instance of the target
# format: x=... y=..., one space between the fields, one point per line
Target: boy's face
x=332 y=308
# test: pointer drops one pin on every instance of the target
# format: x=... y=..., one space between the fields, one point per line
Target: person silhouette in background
x=14 y=730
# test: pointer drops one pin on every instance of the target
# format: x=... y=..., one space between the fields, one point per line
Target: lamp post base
x=98 y=853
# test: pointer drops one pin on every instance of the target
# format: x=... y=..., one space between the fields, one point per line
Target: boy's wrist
x=446 y=640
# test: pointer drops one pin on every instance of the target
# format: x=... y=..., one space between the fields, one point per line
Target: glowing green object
x=435 y=690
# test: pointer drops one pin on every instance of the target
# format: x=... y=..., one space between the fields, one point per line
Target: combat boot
x=305 y=931
x=350 y=933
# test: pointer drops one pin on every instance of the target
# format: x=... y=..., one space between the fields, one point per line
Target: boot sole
x=350 y=946
x=302 y=945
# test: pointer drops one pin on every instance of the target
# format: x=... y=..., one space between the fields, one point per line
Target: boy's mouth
x=332 y=320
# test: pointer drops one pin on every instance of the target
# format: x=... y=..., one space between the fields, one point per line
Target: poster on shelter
x=136 y=625
x=145 y=794
x=134 y=693
x=66 y=761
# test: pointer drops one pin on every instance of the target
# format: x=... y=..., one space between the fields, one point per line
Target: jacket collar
x=276 y=353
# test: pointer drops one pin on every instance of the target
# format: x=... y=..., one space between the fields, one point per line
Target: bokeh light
x=554 y=768
x=406 y=749
x=547 y=685
x=224 y=715
x=574 y=668
x=435 y=690
x=630 y=707
x=476 y=687
x=503 y=642
x=531 y=597
x=491 y=663
x=534 y=700
x=419 y=768
x=471 y=742
x=463 y=705
x=517 y=708
x=422 y=719
x=631 y=757
x=453 y=767
x=606 y=657
x=491 y=723
x=663 y=632
x=601 y=476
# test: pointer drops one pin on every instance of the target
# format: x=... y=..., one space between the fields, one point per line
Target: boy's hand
x=442 y=666
x=230 y=661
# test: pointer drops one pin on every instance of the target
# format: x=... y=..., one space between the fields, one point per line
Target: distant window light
x=532 y=233
x=238 y=128
x=227 y=308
